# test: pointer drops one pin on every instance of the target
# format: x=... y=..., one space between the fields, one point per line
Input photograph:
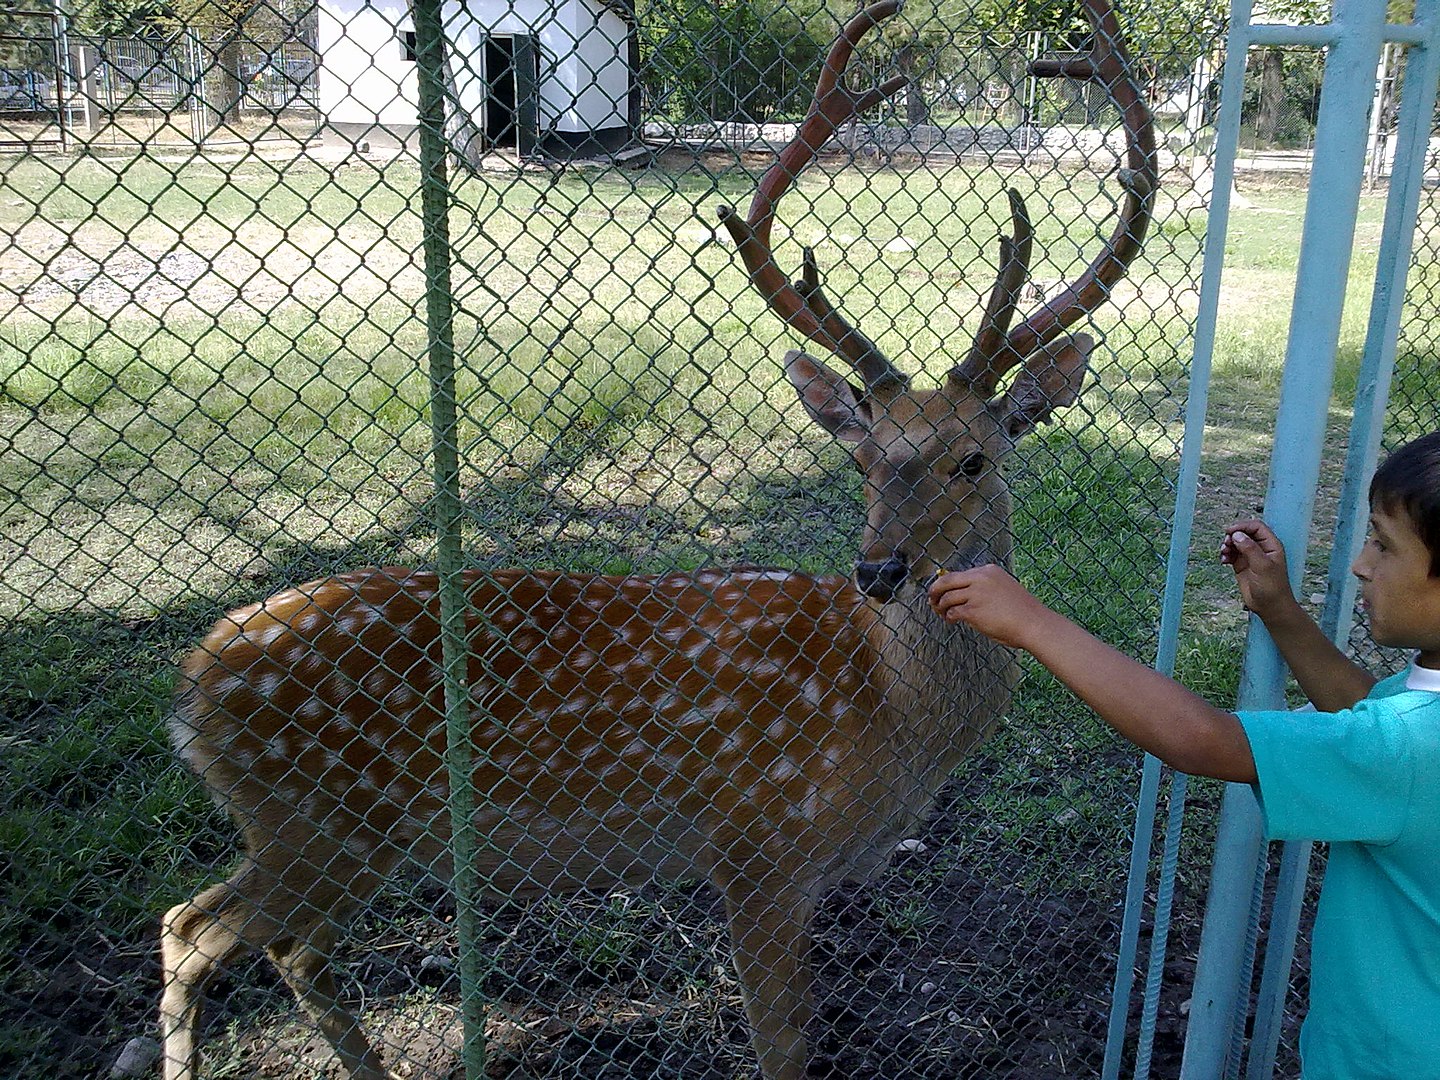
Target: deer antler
x=802 y=304
x=1014 y=268
x=995 y=352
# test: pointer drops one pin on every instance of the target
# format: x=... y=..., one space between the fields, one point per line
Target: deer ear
x=831 y=401
x=1050 y=380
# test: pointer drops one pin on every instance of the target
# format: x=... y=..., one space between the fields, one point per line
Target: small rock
x=1068 y=816
x=952 y=1017
x=911 y=847
x=927 y=988
x=1317 y=598
x=435 y=968
x=138 y=1058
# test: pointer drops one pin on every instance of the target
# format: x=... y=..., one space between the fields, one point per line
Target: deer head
x=931 y=458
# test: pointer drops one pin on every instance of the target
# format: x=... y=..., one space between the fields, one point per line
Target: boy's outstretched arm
x=1330 y=679
x=1154 y=712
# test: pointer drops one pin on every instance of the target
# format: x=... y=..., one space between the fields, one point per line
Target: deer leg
x=770 y=933
x=290 y=913
x=195 y=938
x=304 y=963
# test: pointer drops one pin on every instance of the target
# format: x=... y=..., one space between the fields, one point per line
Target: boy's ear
x=1051 y=379
x=829 y=399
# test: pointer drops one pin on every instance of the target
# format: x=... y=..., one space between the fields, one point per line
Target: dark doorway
x=500 y=92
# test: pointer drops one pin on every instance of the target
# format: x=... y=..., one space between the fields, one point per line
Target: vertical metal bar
x=439 y=313
x=1235 y=1054
x=1197 y=404
x=1144 y=829
x=1187 y=484
x=60 y=52
x=1160 y=933
x=1377 y=365
x=1279 y=954
x=1325 y=248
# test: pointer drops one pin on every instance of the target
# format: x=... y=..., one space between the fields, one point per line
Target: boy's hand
x=990 y=600
x=1255 y=553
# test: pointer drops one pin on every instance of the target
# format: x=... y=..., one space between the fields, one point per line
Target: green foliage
x=743 y=60
x=25 y=37
x=120 y=18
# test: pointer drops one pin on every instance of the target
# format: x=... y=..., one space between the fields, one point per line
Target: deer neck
x=944 y=686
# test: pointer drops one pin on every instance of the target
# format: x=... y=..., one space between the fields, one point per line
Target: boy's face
x=1396 y=588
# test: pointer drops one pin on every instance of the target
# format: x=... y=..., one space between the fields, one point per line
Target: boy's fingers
x=951 y=598
x=950 y=580
x=1250 y=546
x=1255 y=530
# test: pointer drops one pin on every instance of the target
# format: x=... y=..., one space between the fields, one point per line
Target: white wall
x=584 y=76
x=364 y=76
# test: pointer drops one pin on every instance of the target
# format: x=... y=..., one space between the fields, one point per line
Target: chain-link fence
x=216 y=372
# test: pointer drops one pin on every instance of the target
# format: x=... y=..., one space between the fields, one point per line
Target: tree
x=26 y=39
x=119 y=18
x=727 y=59
x=228 y=29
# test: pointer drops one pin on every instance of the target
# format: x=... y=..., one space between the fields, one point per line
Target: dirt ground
x=929 y=972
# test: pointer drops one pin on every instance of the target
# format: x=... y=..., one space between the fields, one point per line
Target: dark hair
x=1409 y=479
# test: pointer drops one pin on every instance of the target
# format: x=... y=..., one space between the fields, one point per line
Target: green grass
x=621 y=408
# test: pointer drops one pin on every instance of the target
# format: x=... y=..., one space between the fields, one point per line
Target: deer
x=769 y=731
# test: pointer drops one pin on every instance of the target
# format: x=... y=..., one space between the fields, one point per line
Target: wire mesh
x=213 y=358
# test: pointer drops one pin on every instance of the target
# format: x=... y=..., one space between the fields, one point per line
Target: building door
x=511 y=79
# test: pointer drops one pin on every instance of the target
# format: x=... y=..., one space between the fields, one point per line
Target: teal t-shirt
x=1367 y=780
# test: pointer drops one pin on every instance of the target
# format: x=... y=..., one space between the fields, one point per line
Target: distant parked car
x=23 y=91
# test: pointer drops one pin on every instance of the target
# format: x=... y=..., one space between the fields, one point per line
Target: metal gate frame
x=1215 y=1043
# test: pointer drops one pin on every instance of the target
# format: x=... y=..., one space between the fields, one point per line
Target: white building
x=558 y=77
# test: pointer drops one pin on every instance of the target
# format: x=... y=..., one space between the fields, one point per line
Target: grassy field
x=212 y=384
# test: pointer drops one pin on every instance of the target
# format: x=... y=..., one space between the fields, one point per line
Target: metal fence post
x=1354 y=40
x=1377 y=364
x=439 y=313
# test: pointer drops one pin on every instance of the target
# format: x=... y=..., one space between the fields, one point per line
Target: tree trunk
x=1272 y=96
x=917 y=109
x=231 y=88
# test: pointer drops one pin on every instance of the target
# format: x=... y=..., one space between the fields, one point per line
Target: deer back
x=624 y=726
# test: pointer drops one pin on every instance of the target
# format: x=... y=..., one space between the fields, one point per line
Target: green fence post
x=439 y=315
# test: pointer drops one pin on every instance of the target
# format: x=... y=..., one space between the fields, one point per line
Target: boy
x=1362 y=773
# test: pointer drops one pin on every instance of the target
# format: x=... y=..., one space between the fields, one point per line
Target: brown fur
x=769 y=730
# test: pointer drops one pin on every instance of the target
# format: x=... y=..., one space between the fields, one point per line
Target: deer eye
x=971 y=465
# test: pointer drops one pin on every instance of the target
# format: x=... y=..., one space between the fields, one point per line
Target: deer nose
x=881 y=579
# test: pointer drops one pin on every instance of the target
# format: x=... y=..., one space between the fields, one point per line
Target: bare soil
x=942 y=969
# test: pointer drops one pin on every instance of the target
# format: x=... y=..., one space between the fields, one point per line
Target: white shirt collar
x=1421 y=678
